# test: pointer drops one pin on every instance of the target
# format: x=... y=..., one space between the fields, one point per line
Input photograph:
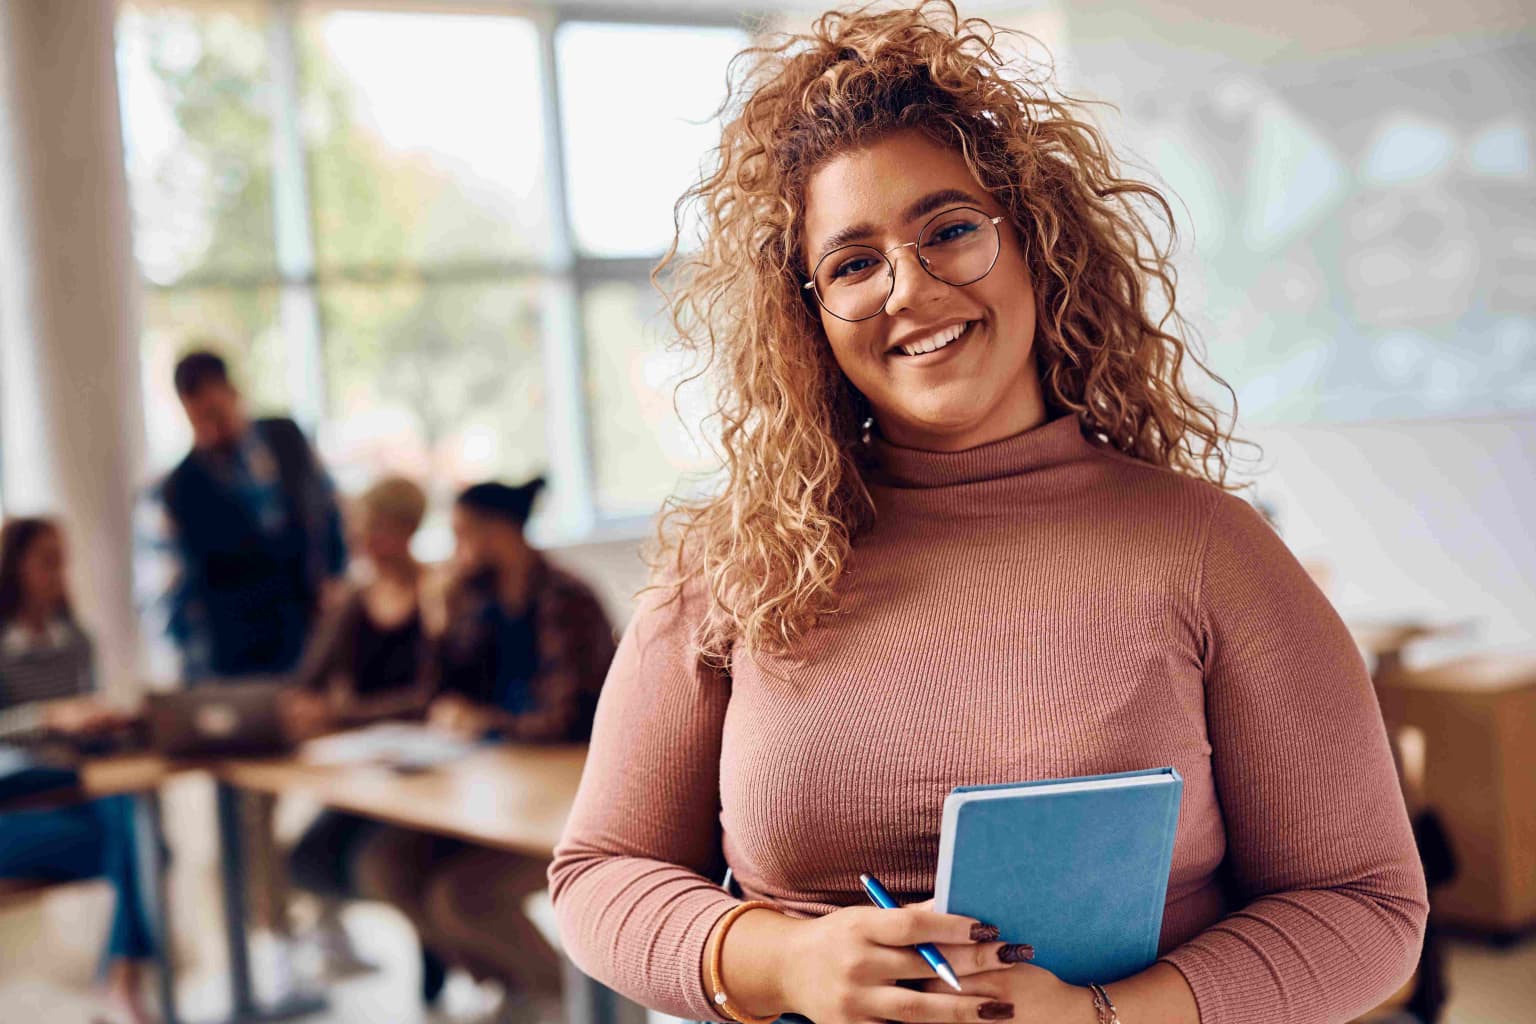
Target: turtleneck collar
x=1053 y=442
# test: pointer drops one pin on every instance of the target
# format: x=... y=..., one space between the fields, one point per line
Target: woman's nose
x=913 y=285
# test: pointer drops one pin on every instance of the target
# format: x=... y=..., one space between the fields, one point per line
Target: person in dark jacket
x=251 y=522
x=250 y=536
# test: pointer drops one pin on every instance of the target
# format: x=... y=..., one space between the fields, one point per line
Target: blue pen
x=926 y=950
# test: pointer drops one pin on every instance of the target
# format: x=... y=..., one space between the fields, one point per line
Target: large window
x=654 y=136
x=635 y=385
x=199 y=144
x=443 y=167
x=442 y=270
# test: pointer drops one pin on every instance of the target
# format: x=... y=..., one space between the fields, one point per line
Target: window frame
x=571 y=513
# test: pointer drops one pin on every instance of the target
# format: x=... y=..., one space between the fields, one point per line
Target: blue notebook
x=1077 y=868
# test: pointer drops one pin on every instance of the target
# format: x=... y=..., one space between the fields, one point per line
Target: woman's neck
x=403 y=572
x=391 y=597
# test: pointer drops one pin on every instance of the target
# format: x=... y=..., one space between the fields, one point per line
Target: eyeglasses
x=958 y=247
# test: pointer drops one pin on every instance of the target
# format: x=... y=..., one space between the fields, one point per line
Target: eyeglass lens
x=957 y=247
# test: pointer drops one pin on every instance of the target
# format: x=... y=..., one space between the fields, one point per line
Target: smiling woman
x=972 y=529
x=943 y=349
x=880 y=123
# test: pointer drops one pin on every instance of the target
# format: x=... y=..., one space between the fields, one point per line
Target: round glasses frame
x=890 y=267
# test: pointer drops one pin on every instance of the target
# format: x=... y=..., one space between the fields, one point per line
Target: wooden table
x=1475 y=720
x=507 y=797
x=128 y=773
x=1384 y=641
x=504 y=796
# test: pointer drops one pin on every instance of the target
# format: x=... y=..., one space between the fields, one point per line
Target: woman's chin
x=936 y=433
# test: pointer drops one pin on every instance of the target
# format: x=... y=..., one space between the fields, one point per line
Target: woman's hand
x=1038 y=996
x=82 y=716
x=303 y=714
x=844 y=967
x=458 y=716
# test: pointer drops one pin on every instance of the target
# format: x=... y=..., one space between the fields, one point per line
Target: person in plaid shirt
x=527 y=645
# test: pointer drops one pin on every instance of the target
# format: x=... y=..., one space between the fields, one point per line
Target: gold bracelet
x=713 y=954
x=1102 y=1005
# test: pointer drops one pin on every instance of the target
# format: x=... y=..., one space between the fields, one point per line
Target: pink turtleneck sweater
x=1036 y=607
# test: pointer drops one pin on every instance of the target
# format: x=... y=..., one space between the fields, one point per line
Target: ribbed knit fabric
x=1037 y=607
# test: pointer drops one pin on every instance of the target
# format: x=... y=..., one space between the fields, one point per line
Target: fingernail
x=983 y=932
x=996 y=1011
x=1016 y=953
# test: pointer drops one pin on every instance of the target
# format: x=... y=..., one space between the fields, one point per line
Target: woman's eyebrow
x=938 y=200
x=919 y=208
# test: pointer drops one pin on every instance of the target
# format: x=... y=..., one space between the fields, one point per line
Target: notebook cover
x=1081 y=876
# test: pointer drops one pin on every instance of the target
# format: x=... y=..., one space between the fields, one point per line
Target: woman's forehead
x=881 y=186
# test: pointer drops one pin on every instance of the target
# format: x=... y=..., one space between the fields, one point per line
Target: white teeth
x=935 y=341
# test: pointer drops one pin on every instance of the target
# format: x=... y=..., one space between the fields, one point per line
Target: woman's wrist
x=754 y=953
x=1104 y=1011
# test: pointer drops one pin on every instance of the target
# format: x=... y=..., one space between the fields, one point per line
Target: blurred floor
x=46 y=966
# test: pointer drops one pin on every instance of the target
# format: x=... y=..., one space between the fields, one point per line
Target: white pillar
x=71 y=429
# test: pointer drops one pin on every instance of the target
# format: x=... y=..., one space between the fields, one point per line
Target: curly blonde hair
x=770 y=547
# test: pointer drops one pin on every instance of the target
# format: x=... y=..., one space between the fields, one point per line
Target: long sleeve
x=22 y=724
x=635 y=879
x=305 y=481
x=1318 y=842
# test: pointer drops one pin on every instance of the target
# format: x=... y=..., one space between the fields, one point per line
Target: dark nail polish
x=995 y=1011
x=983 y=933
x=1016 y=953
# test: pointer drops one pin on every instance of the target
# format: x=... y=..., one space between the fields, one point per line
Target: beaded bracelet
x=1101 y=1003
x=712 y=957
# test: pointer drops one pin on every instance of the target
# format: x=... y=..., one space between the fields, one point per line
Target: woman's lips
x=938 y=354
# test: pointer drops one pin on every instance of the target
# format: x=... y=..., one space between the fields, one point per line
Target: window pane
x=641 y=443
x=240 y=324
x=426 y=138
x=198 y=137
x=652 y=134
x=442 y=382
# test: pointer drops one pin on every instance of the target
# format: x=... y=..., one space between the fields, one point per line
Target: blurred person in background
x=47 y=688
x=370 y=660
x=523 y=656
x=526 y=645
x=250 y=530
x=251 y=520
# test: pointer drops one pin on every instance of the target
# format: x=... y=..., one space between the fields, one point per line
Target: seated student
x=46 y=686
x=369 y=661
x=369 y=658
x=524 y=654
x=526 y=646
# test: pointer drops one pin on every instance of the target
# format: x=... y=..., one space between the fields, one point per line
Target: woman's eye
x=952 y=232
x=852 y=268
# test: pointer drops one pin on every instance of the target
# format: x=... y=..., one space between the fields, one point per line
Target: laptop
x=218 y=717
